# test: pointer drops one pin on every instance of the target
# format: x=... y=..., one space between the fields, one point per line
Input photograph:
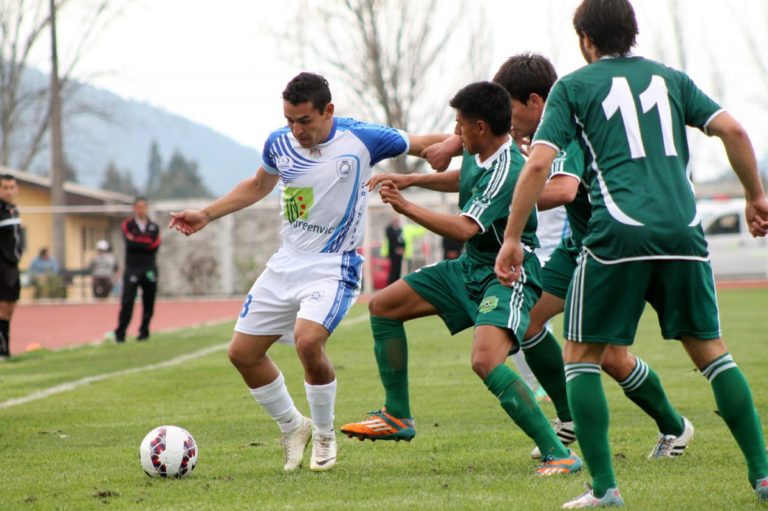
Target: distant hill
x=125 y=131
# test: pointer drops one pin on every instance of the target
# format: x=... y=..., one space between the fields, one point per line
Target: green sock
x=644 y=388
x=390 y=346
x=520 y=404
x=545 y=358
x=590 y=417
x=734 y=402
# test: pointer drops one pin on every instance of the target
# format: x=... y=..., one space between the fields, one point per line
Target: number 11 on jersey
x=620 y=100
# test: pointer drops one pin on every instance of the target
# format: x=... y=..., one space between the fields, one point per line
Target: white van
x=735 y=254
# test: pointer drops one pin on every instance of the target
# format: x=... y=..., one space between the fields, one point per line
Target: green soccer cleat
x=588 y=500
x=554 y=466
x=380 y=425
x=564 y=431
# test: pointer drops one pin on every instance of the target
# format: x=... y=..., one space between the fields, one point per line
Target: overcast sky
x=217 y=62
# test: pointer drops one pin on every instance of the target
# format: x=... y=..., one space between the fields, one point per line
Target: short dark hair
x=485 y=101
x=7 y=177
x=525 y=74
x=306 y=87
x=610 y=24
x=139 y=198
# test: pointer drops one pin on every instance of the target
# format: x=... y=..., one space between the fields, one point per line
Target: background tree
x=395 y=62
x=24 y=102
x=154 y=169
x=116 y=180
x=180 y=180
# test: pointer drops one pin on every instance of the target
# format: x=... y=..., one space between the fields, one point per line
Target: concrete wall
x=227 y=256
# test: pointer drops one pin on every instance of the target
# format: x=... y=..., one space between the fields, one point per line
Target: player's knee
x=308 y=348
x=618 y=364
x=378 y=307
x=240 y=357
x=482 y=366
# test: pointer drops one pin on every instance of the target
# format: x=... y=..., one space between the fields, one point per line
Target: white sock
x=276 y=400
x=525 y=370
x=321 y=401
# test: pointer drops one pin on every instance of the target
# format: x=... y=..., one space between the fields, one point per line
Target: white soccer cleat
x=669 y=446
x=564 y=431
x=323 y=452
x=294 y=443
x=588 y=500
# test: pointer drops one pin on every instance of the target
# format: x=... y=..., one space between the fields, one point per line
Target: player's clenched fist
x=509 y=263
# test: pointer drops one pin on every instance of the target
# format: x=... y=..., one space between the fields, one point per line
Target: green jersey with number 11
x=631 y=114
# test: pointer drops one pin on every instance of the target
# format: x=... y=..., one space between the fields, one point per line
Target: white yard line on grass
x=71 y=385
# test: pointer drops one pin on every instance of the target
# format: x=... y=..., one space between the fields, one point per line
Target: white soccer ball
x=168 y=451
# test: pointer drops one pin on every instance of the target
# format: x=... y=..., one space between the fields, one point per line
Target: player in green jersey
x=465 y=291
x=644 y=235
x=529 y=78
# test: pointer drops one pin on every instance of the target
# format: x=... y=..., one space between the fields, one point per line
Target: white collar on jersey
x=487 y=163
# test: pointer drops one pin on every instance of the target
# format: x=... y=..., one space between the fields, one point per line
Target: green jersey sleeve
x=700 y=109
x=557 y=127
x=569 y=161
x=491 y=196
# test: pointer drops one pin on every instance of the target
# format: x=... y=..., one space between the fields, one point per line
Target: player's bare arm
x=561 y=189
x=742 y=158
x=439 y=155
x=533 y=177
x=418 y=143
x=246 y=192
x=456 y=227
x=437 y=181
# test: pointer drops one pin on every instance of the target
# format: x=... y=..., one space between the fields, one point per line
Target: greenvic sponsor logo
x=319 y=229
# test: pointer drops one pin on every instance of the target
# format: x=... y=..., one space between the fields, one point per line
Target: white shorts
x=316 y=287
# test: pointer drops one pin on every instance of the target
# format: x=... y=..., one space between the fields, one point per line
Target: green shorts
x=605 y=301
x=558 y=270
x=468 y=294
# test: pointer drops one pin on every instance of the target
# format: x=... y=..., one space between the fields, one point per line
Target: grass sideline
x=78 y=449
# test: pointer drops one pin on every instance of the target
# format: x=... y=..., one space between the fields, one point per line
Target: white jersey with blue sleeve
x=323 y=198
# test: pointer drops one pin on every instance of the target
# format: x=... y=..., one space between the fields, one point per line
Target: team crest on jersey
x=488 y=304
x=283 y=163
x=344 y=169
x=297 y=202
x=315 y=152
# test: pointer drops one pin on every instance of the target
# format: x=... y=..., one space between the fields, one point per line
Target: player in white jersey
x=553 y=228
x=321 y=163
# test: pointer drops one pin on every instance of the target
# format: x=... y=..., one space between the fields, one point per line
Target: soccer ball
x=168 y=451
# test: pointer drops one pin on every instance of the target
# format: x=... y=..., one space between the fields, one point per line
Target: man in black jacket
x=142 y=239
x=11 y=247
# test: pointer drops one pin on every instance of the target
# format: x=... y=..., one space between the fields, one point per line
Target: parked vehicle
x=735 y=254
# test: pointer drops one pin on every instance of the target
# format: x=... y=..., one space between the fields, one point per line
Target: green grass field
x=79 y=449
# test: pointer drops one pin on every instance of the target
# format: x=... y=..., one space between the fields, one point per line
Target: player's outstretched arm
x=440 y=182
x=418 y=143
x=742 y=158
x=529 y=186
x=439 y=155
x=561 y=189
x=246 y=192
x=456 y=227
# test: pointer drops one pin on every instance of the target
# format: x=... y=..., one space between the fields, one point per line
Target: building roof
x=74 y=194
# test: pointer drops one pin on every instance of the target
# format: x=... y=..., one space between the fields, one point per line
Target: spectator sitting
x=103 y=268
x=42 y=266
